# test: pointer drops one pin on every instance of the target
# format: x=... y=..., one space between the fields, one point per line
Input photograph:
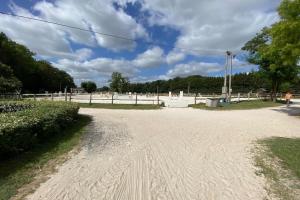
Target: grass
x=288 y=151
x=278 y=159
x=121 y=106
x=18 y=171
x=242 y=105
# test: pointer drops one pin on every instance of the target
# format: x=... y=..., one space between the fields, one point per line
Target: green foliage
x=89 y=86
x=22 y=169
x=22 y=129
x=36 y=76
x=118 y=83
x=8 y=82
x=240 y=83
x=277 y=49
x=14 y=106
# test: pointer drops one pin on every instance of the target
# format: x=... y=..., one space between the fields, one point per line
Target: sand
x=169 y=154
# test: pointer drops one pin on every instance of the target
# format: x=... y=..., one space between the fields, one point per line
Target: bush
x=21 y=129
x=9 y=106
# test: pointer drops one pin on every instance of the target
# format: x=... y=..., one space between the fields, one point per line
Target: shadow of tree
x=293 y=110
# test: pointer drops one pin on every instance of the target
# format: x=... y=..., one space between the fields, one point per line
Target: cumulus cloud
x=101 y=66
x=153 y=57
x=175 y=57
x=213 y=26
x=41 y=38
x=194 y=68
x=51 y=40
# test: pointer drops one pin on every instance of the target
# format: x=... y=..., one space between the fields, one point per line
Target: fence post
x=112 y=98
x=195 y=98
x=239 y=96
x=51 y=96
x=248 y=96
x=34 y=97
x=135 y=98
x=90 y=98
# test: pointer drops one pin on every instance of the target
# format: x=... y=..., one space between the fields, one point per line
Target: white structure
x=181 y=94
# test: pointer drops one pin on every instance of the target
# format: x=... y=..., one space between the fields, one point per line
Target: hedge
x=14 y=106
x=20 y=130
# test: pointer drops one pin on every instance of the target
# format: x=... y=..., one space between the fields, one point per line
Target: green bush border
x=20 y=130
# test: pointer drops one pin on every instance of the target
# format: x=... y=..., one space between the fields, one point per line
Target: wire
x=64 y=25
x=206 y=51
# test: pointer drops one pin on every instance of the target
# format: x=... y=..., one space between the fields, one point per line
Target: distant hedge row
x=20 y=130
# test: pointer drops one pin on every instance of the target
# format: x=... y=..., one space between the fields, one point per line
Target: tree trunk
x=274 y=91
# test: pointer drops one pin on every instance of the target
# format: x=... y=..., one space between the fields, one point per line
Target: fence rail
x=109 y=98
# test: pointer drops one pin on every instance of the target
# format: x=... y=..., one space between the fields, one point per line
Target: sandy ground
x=169 y=154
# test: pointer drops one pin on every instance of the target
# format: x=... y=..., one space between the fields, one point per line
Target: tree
x=8 y=82
x=36 y=76
x=89 y=86
x=277 y=49
x=118 y=83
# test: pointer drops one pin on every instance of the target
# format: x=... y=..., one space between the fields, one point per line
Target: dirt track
x=168 y=154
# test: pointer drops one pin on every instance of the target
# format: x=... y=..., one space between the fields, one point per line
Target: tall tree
x=89 y=86
x=8 y=82
x=277 y=49
x=36 y=76
x=118 y=83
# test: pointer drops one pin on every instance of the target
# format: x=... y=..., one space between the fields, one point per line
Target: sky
x=168 y=38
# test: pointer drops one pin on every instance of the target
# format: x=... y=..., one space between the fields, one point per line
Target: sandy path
x=168 y=154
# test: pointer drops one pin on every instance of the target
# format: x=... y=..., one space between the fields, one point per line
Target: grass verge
x=242 y=105
x=278 y=159
x=30 y=168
x=120 y=106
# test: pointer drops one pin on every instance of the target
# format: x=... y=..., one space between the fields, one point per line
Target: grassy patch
x=288 y=151
x=21 y=170
x=121 y=106
x=243 y=105
x=278 y=159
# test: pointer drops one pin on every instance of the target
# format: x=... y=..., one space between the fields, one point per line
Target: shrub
x=21 y=129
x=9 y=106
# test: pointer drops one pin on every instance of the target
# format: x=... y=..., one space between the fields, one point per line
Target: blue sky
x=171 y=38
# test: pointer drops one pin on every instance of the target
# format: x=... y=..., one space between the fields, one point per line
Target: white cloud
x=194 y=68
x=83 y=54
x=212 y=26
x=41 y=38
x=100 y=66
x=174 y=57
x=54 y=41
x=99 y=16
x=153 y=57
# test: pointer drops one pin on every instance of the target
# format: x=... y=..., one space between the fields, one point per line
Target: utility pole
x=230 y=74
x=231 y=56
x=224 y=89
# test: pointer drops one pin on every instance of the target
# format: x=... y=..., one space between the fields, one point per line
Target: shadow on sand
x=292 y=110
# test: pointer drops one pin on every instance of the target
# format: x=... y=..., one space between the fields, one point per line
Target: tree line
x=20 y=71
x=241 y=83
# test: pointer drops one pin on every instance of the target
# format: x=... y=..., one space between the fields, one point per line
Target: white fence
x=109 y=98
